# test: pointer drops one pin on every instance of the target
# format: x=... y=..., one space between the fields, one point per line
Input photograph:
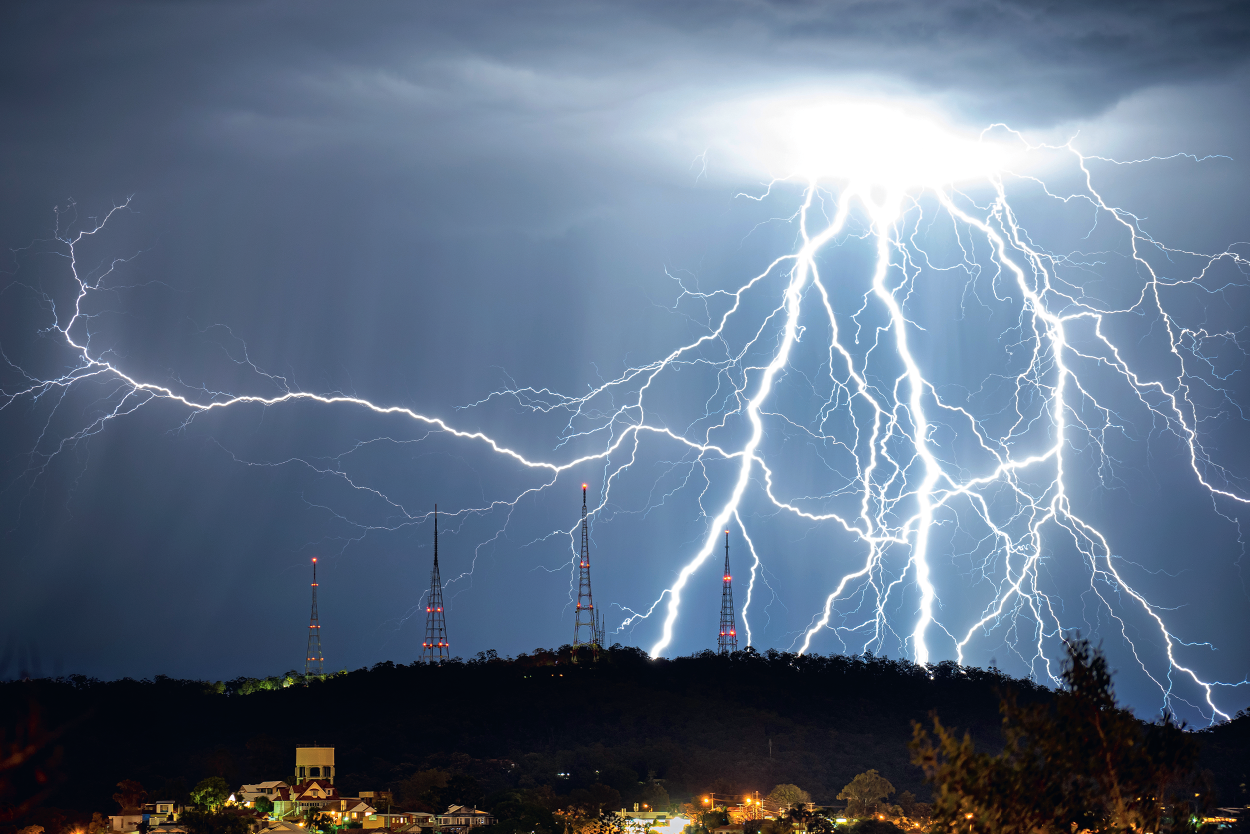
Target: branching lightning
x=929 y=487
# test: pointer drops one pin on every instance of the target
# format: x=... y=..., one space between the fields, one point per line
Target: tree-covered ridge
x=586 y=732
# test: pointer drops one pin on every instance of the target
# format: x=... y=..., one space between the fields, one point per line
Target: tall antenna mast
x=435 y=648
x=314 y=660
x=727 y=642
x=586 y=630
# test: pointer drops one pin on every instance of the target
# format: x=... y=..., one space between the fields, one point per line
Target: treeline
x=627 y=726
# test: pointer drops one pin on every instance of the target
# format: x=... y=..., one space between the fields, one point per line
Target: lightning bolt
x=913 y=465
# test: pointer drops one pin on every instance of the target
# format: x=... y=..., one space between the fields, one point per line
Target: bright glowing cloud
x=866 y=143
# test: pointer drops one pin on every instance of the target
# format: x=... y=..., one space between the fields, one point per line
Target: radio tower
x=314 y=660
x=728 y=640
x=435 y=649
x=586 y=620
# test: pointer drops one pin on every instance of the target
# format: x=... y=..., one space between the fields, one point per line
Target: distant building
x=461 y=818
x=297 y=799
x=400 y=819
x=282 y=827
x=162 y=811
x=355 y=810
x=153 y=813
x=125 y=823
x=248 y=794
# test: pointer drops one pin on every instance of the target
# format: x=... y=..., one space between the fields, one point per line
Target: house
x=248 y=794
x=461 y=817
x=125 y=823
x=297 y=799
x=162 y=811
x=356 y=811
x=282 y=827
x=399 y=819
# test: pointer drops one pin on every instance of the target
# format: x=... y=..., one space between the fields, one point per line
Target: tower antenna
x=435 y=648
x=313 y=663
x=586 y=629
x=727 y=642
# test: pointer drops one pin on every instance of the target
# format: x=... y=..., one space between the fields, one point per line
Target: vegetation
x=210 y=794
x=526 y=737
x=200 y=821
x=865 y=792
x=130 y=796
x=787 y=795
x=1076 y=762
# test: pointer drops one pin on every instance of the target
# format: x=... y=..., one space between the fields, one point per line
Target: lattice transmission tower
x=313 y=663
x=727 y=642
x=435 y=648
x=588 y=629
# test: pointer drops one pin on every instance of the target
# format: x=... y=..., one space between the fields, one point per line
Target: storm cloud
x=419 y=202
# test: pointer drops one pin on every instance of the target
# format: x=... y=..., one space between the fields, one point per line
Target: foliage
x=786 y=795
x=777 y=826
x=1077 y=763
x=594 y=801
x=600 y=822
x=656 y=797
x=707 y=820
x=264 y=804
x=872 y=825
x=210 y=793
x=698 y=723
x=214 y=822
x=520 y=812
x=864 y=792
x=314 y=820
x=130 y=796
x=417 y=791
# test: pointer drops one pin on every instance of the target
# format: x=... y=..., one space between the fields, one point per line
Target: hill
x=626 y=725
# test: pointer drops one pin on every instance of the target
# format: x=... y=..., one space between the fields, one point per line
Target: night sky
x=419 y=204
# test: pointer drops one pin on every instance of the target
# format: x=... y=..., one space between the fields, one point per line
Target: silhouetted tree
x=1077 y=763
x=210 y=793
x=864 y=792
x=130 y=796
x=786 y=795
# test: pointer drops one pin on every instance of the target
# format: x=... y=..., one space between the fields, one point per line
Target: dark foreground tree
x=1077 y=763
